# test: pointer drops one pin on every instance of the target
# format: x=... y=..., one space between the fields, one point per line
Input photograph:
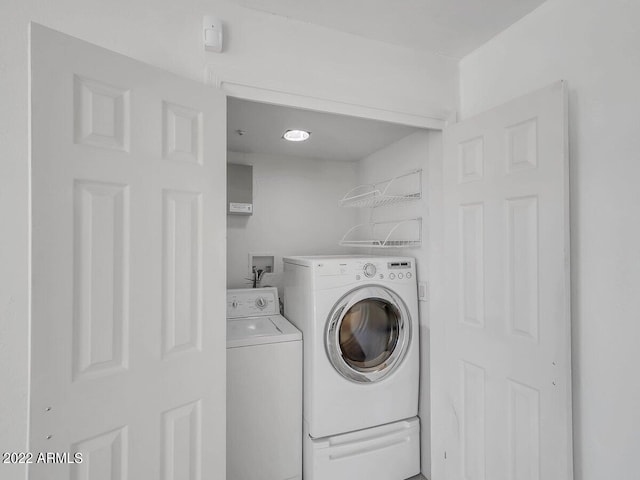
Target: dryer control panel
x=383 y=269
x=398 y=269
x=252 y=302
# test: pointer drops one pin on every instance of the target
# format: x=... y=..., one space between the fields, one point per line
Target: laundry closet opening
x=356 y=186
x=297 y=187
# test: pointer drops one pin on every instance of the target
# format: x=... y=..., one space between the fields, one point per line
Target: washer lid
x=244 y=332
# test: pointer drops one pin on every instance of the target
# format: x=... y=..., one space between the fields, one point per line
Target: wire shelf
x=382 y=193
x=389 y=234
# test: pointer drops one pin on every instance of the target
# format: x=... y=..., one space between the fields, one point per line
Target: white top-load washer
x=359 y=319
x=264 y=388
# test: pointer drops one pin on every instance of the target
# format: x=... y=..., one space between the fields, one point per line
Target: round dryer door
x=368 y=334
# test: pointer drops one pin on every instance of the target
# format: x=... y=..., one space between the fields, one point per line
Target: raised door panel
x=182 y=274
x=181 y=440
x=101 y=279
x=104 y=456
x=101 y=114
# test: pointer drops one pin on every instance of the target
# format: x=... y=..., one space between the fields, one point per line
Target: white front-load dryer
x=359 y=320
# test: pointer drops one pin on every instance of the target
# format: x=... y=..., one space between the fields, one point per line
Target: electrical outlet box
x=239 y=189
x=423 y=291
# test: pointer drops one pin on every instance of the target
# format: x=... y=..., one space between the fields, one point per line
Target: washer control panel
x=252 y=302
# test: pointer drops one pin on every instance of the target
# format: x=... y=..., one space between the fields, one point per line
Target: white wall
x=405 y=155
x=262 y=50
x=593 y=44
x=419 y=150
x=296 y=212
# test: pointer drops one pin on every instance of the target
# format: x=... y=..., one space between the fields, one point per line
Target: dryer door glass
x=368 y=334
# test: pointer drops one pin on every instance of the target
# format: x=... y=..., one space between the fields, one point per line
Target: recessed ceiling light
x=296 y=135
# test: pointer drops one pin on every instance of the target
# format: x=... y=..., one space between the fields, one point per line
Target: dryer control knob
x=261 y=302
x=369 y=270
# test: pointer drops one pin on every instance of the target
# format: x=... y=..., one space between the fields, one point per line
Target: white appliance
x=264 y=388
x=359 y=319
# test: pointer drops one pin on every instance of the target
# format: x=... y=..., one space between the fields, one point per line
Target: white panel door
x=128 y=320
x=502 y=356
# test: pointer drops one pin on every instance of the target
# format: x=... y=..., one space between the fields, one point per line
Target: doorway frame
x=435 y=120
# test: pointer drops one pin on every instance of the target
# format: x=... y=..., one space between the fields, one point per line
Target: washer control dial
x=369 y=270
x=261 y=302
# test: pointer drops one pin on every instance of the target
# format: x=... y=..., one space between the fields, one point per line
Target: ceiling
x=333 y=137
x=446 y=27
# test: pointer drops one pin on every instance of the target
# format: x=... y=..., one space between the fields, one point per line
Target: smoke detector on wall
x=212 y=33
